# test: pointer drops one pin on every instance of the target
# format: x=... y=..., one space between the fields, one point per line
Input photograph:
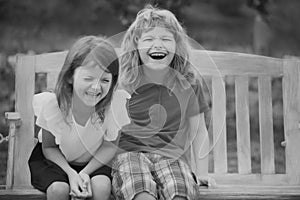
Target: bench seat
x=220 y=192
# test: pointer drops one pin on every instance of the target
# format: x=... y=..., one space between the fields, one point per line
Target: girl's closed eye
x=105 y=80
x=88 y=78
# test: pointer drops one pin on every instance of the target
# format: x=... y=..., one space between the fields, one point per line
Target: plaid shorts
x=162 y=177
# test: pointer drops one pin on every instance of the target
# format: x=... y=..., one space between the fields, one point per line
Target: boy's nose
x=157 y=43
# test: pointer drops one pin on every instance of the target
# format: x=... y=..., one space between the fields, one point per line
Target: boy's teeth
x=157 y=55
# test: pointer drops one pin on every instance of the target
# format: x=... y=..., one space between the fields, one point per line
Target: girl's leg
x=101 y=187
x=58 y=191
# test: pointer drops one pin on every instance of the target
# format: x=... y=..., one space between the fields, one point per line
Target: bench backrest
x=215 y=66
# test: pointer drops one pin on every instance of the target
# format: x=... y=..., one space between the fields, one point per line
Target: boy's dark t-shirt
x=159 y=119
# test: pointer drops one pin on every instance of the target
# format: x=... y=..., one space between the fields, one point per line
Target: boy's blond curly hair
x=147 y=19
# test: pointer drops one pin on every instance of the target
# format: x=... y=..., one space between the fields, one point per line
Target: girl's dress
x=77 y=143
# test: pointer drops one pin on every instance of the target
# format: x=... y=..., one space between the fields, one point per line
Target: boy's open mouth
x=157 y=55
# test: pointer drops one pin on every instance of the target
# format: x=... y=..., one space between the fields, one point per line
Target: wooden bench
x=213 y=65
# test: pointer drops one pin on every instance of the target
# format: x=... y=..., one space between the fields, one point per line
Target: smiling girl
x=75 y=141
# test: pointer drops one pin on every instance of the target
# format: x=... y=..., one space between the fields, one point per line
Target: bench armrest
x=13 y=119
x=14 y=122
x=12 y=116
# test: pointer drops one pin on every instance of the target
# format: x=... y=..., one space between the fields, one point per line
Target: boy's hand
x=206 y=181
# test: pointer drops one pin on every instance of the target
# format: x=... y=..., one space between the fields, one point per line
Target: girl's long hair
x=130 y=62
x=77 y=56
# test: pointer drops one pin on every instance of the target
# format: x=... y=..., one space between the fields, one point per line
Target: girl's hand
x=87 y=189
x=76 y=186
x=75 y=198
x=206 y=181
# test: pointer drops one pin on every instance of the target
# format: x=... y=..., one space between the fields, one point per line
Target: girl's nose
x=96 y=86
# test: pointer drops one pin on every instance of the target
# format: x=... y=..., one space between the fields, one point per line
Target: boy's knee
x=59 y=189
x=129 y=190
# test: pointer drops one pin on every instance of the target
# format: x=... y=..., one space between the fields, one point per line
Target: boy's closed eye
x=167 y=39
x=147 y=39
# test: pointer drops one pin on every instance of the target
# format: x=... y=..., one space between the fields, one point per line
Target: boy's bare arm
x=200 y=143
x=201 y=150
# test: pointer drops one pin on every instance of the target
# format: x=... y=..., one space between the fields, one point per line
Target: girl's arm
x=200 y=144
x=53 y=153
x=103 y=155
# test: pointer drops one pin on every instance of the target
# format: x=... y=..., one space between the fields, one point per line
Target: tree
x=127 y=9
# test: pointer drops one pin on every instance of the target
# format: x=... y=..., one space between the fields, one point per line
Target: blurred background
x=265 y=27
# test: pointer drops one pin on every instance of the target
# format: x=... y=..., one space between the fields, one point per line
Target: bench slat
x=251 y=179
x=219 y=125
x=246 y=192
x=266 y=125
x=220 y=192
x=230 y=63
x=243 y=124
x=25 y=78
x=291 y=107
x=51 y=80
x=49 y=62
x=18 y=194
